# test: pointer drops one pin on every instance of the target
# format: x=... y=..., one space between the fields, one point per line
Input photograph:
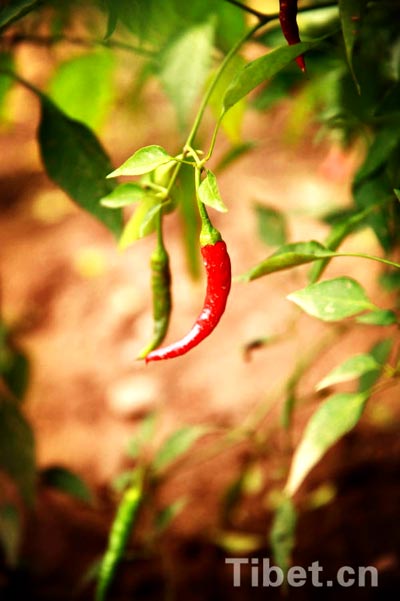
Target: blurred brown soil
x=83 y=311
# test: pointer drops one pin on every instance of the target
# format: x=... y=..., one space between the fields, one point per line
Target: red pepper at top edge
x=218 y=268
x=288 y=21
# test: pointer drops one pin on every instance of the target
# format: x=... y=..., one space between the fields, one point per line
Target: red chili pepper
x=288 y=21
x=218 y=268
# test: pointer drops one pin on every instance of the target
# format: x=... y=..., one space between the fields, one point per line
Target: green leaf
x=185 y=195
x=287 y=256
x=14 y=10
x=338 y=233
x=144 y=434
x=332 y=300
x=123 y=196
x=17 y=455
x=352 y=368
x=272 y=227
x=142 y=221
x=177 y=445
x=261 y=69
x=390 y=281
x=380 y=317
x=350 y=16
x=83 y=87
x=209 y=193
x=144 y=160
x=384 y=143
x=10 y=533
x=334 y=418
x=164 y=517
x=233 y=154
x=67 y=482
x=16 y=373
x=184 y=67
x=75 y=160
x=6 y=82
x=397 y=192
x=233 y=120
x=380 y=352
x=282 y=535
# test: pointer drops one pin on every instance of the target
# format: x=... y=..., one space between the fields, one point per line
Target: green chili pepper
x=161 y=287
x=121 y=528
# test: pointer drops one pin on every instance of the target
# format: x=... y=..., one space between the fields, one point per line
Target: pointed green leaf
x=143 y=435
x=177 y=445
x=350 y=16
x=83 y=87
x=17 y=455
x=352 y=368
x=75 y=160
x=287 y=256
x=184 y=67
x=10 y=533
x=282 y=535
x=144 y=160
x=380 y=352
x=384 y=143
x=209 y=193
x=272 y=228
x=12 y=11
x=332 y=300
x=67 y=482
x=164 y=517
x=334 y=418
x=380 y=317
x=261 y=69
x=142 y=221
x=123 y=196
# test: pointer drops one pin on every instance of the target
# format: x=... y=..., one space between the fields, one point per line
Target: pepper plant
x=197 y=51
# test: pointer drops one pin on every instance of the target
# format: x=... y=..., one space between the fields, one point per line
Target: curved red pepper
x=218 y=268
x=288 y=21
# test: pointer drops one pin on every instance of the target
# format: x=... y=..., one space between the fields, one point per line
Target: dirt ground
x=84 y=311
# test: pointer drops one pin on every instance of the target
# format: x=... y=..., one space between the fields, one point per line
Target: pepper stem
x=208 y=233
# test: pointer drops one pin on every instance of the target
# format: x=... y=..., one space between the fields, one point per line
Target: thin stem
x=371 y=257
x=247 y=9
x=78 y=41
x=221 y=69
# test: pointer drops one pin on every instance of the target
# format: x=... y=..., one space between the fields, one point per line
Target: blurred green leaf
x=15 y=10
x=209 y=193
x=184 y=193
x=282 y=535
x=238 y=542
x=16 y=374
x=65 y=481
x=334 y=418
x=184 y=66
x=380 y=351
x=332 y=300
x=17 y=454
x=177 y=445
x=142 y=222
x=352 y=368
x=164 y=517
x=6 y=82
x=83 y=87
x=75 y=160
x=10 y=533
x=144 y=160
x=123 y=196
x=232 y=154
x=144 y=434
x=384 y=143
x=287 y=256
x=350 y=15
x=272 y=228
x=380 y=317
x=261 y=69
x=390 y=280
